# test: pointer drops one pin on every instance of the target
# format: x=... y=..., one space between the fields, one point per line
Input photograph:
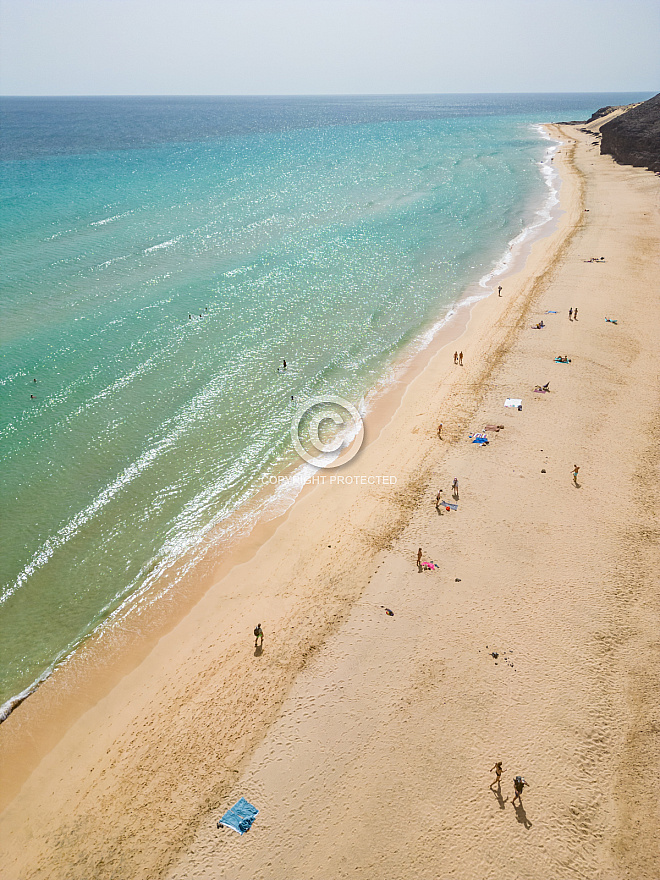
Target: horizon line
x=323 y=94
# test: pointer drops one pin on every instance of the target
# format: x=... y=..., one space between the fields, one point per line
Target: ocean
x=161 y=257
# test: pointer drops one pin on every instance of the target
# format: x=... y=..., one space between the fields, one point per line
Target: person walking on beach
x=498 y=774
x=440 y=430
x=455 y=357
x=518 y=785
x=419 y=559
x=258 y=636
x=460 y=359
x=575 y=314
x=499 y=290
x=454 y=487
x=570 y=314
x=438 y=498
x=575 y=473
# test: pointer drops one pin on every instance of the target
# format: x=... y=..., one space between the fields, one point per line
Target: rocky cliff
x=605 y=111
x=634 y=137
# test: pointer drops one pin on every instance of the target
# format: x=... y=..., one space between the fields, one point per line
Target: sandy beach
x=364 y=739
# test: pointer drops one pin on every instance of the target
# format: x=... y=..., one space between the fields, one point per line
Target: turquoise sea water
x=330 y=232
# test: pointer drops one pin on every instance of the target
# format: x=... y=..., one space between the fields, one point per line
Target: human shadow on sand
x=496 y=788
x=258 y=650
x=521 y=815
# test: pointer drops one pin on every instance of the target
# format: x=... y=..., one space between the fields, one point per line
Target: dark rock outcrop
x=634 y=137
x=605 y=111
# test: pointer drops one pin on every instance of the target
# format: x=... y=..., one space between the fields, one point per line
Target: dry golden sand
x=366 y=740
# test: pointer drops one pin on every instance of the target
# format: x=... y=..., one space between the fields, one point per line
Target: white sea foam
x=20 y=374
x=110 y=262
x=71 y=529
x=543 y=215
x=107 y=220
x=242 y=270
x=179 y=425
x=56 y=235
x=163 y=245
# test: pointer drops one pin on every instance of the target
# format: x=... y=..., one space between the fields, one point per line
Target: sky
x=308 y=47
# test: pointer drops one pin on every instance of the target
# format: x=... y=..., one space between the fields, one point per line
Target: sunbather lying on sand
x=494 y=428
x=562 y=360
x=538 y=326
x=542 y=388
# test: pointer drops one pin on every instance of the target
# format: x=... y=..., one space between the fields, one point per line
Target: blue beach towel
x=447 y=504
x=240 y=817
x=480 y=438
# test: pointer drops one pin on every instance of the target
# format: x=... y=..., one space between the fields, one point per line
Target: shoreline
x=381 y=404
x=300 y=727
x=59 y=711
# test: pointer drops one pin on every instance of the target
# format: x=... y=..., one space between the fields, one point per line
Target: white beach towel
x=513 y=401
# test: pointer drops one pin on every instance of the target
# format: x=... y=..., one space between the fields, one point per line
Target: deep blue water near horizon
x=46 y=126
x=329 y=231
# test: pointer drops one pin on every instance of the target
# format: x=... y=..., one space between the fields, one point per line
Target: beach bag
x=256 y=632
